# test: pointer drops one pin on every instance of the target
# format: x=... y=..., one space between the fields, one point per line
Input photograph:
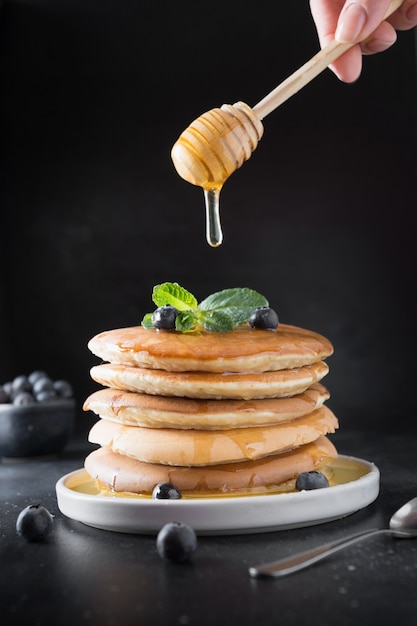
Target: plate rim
x=366 y=487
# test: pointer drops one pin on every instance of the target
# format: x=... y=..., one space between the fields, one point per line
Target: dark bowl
x=35 y=430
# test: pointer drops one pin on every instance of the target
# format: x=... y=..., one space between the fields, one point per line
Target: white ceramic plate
x=358 y=486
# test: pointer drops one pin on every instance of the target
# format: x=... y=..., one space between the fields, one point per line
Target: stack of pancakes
x=209 y=412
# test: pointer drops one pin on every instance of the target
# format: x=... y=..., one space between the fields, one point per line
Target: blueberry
x=7 y=388
x=34 y=523
x=33 y=376
x=24 y=398
x=165 y=491
x=4 y=396
x=311 y=480
x=42 y=384
x=46 y=396
x=176 y=542
x=63 y=389
x=164 y=317
x=19 y=384
x=37 y=387
x=264 y=317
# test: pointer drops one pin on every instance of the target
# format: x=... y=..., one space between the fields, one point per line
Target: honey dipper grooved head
x=216 y=144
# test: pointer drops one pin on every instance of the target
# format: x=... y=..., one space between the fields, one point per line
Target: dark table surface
x=83 y=575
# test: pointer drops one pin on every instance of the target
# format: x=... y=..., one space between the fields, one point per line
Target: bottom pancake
x=120 y=473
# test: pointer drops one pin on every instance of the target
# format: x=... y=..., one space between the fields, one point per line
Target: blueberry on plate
x=164 y=317
x=176 y=542
x=264 y=318
x=34 y=523
x=311 y=480
x=165 y=491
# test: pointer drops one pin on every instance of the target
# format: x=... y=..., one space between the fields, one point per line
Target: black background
x=320 y=220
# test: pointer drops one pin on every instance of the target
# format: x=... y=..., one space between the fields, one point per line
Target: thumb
x=359 y=18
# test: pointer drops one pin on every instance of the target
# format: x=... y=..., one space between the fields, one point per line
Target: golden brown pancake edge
x=210 y=385
x=141 y=409
x=122 y=474
x=170 y=446
x=245 y=349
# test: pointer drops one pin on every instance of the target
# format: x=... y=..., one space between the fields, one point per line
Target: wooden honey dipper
x=218 y=142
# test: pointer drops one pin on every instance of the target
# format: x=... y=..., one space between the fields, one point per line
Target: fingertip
x=411 y=15
x=381 y=39
x=349 y=66
x=345 y=77
x=373 y=46
x=351 y=22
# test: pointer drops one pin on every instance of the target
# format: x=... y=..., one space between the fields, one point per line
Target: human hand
x=349 y=21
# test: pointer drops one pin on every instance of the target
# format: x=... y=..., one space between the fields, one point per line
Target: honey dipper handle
x=317 y=64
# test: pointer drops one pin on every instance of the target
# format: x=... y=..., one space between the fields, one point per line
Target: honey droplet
x=214 y=233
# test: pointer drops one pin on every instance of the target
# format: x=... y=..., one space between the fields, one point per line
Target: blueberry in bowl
x=36 y=416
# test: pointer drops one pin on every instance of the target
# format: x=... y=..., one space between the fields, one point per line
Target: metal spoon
x=403 y=524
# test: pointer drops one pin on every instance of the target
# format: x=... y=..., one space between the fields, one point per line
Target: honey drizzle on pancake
x=122 y=473
x=334 y=476
x=203 y=448
x=122 y=345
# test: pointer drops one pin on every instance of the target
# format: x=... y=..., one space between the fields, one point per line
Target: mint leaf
x=217 y=321
x=220 y=312
x=186 y=320
x=240 y=297
x=238 y=303
x=175 y=295
x=147 y=321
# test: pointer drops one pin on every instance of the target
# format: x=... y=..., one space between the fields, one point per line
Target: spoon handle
x=300 y=561
x=308 y=71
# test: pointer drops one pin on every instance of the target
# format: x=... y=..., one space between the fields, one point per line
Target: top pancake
x=243 y=350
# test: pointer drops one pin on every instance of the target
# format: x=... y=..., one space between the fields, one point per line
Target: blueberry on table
x=264 y=318
x=34 y=523
x=311 y=480
x=164 y=317
x=176 y=542
x=165 y=491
